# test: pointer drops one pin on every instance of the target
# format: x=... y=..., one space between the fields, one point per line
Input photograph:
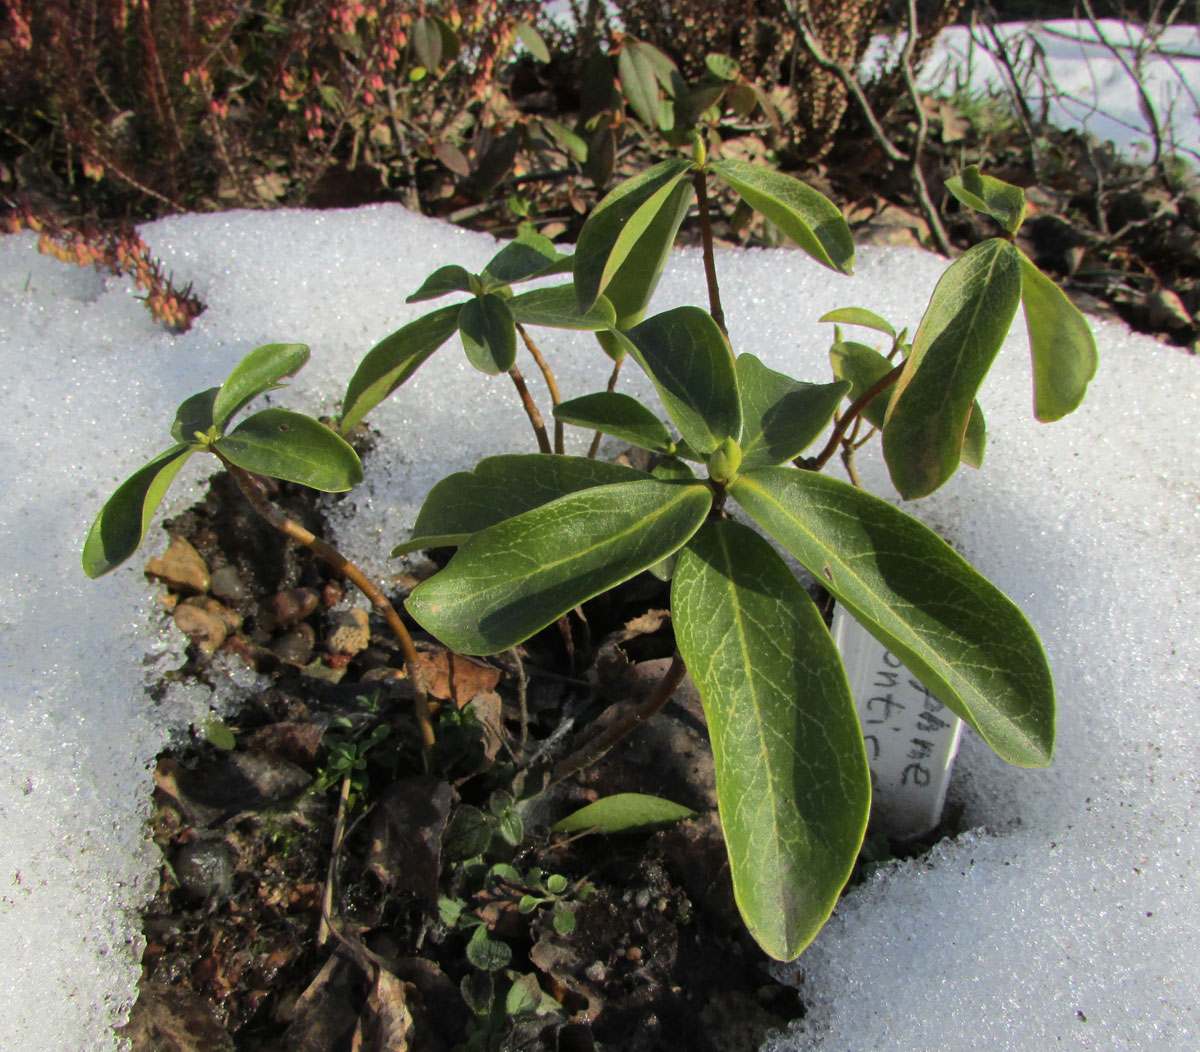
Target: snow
x=1067 y=914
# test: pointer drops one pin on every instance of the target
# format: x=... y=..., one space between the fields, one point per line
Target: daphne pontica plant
x=538 y=534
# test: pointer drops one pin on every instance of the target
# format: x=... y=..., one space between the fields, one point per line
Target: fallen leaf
x=406 y=835
x=453 y=677
x=385 y=1024
x=173 y=1019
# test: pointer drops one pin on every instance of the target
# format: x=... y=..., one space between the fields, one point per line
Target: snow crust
x=1067 y=915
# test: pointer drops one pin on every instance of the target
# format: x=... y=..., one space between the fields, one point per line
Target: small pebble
x=287 y=608
x=180 y=568
x=204 y=869
x=296 y=645
x=351 y=634
x=227 y=584
x=206 y=622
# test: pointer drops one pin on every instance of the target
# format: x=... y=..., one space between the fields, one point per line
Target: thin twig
x=531 y=409
x=598 y=746
x=551 y=382
x=522 y=700
x=612 y=383
x=856 y=407
x=808 y=35
x=252 y=488
x=339 y=833
x=710 y=263
x=918 y=176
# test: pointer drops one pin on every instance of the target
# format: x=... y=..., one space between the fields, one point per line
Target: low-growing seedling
x=539 y=534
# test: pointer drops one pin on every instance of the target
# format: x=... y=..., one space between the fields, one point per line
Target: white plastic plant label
x=911 y=737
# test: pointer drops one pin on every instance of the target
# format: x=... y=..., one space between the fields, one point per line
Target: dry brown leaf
x=452 y=677
x=406 y=835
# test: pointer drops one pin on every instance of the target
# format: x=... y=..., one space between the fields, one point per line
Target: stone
x=181 y=568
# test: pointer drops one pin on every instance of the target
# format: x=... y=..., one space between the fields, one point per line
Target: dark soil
x=235 y=958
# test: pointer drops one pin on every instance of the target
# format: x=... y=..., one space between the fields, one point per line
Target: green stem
x=253 y=490
x=710 y=263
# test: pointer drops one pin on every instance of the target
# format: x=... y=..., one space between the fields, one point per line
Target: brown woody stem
x=252 y=487
x=856 y=407
x=710 y=263
x=598 y=746
x=531 y=410
x=551 y=382
x=612 y=383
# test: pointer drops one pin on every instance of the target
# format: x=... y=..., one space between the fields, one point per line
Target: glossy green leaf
x=502 y=487
x=639 y=82
x=260 y=371
x=806 y=216
x=954 y=630
x=567 y=139
x=793 y=788
x=1002 y=201
x=557 y=308
x=1060 y=342
x=123 y=521
x=864 y=366
x=781 y=417
x=294 y=447
x=618 y=415
x=624 y=813
x=860 y=316
x=963 y=328
x=617 y=224
x=195 y=414
x=487 y=954
x=515 y=578
x=975 y=442
x=634 y=282
x=529 y=255
x=441 y=282
x=488 y=334
x=532 y=39
x=722 y=66
x=393 y=360
x=688 y=358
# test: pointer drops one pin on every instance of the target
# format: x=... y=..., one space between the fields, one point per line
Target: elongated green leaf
x=957 y=633
x=864 y=366
x=427 y=42
x=532 y=39
x=512 y=579
x=859 y=316
x=293 y=447
x=1002 y=201
x=392 y=361
x=639 y=83
x=781 y=417
x=688 y=358
x=123 y=521
x=260 y=371
x=557 y=308
x=624 y=813
x=528 y=256
x=808 y=217
x=618 y=415
x=616 y=224
x=793 y=788
x=1060 y=342
x=441 y=282
x=195 y=414
x=501 y=487
x=633 y=283
x=964 y=325
x=722 y=67
x=975 y=442
x=567 y=139
x=488 y=334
